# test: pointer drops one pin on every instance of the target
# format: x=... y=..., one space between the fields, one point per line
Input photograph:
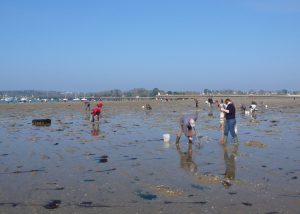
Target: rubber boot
x=224 y=140
x=177 y=139
x=235 y=140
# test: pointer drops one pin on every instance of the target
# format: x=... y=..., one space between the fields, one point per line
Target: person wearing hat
x=187 y=124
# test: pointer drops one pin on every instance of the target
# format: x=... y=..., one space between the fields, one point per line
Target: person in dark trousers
x=87 y=105
x=230 y=122
x=196 y=102
x=187 y=124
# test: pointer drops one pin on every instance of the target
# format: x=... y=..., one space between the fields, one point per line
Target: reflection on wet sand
x=95 y=129
x=186 y=159
x=125 y=169
x=229 y=159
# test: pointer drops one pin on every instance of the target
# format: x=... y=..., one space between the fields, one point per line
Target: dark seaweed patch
x=57 y=188
x=106 y=170
x=247 y=204
x=86 y=204
x=102 y=159
x=52 y=204
x=25 y=171
x=232 y=193
x=88 y=180
x=128 y=159
x=146 y=195
x=89 y=204
x=291 y=196
x=12 y=204
x=193 y=202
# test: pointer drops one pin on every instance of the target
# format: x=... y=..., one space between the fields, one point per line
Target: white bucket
x=166 y=137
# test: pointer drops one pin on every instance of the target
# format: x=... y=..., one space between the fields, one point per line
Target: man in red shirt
x=96 y=111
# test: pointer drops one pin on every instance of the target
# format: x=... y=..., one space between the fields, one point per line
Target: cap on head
x=192 y=123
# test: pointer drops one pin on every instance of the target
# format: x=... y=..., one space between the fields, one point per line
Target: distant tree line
x=136 y=92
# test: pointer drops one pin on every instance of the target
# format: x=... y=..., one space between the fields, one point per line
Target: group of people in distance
x=227 y=119
x=187 y=122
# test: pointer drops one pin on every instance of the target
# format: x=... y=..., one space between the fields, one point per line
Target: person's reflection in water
x=186 y=159
x=95 y=129
x=229 y=175
x=253 y=116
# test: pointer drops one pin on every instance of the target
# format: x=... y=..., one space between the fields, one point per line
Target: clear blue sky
x=95 y=45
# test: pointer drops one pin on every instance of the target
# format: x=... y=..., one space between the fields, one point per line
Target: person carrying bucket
x=187 y=124
x=96 y=111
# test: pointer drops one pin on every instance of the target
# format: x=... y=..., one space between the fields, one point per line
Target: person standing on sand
x=187 y=124
x=196 y=102
x=222 y=114
x=87 y=106
x=222 y=117
x=230 y=121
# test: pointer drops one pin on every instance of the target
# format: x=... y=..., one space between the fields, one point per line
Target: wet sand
x=124 y=166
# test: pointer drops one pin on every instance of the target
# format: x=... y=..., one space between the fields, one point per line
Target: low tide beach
x=122 y=164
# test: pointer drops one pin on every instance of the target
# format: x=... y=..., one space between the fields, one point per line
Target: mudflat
x=122 y=164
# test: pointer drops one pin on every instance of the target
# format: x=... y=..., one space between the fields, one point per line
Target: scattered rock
x=41 y=122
